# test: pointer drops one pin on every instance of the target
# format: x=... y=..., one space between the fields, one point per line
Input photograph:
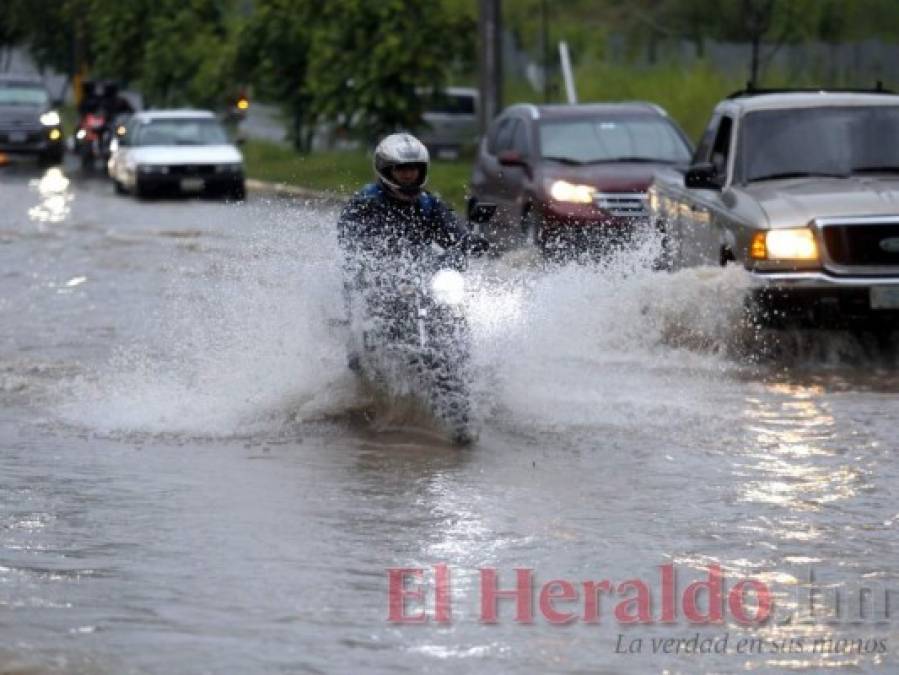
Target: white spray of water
x=249 y=345
x=244 y=345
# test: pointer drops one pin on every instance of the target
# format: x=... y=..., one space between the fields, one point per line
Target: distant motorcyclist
x=395 y=217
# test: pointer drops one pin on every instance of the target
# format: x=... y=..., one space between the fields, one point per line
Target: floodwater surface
x=191 y=481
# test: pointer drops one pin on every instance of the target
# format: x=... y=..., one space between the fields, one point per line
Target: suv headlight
x=50 y=119
x=796 y=243
x=448 y=287
x=563 y=191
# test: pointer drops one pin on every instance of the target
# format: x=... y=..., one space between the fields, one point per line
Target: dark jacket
x=377 y=226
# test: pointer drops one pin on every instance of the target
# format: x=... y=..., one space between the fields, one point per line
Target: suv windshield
x=24 y=95
x=181 y=132
x=610 y=139
x=827 y=141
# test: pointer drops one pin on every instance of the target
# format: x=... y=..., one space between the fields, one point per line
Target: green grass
x=343 y=172
x=688 y=93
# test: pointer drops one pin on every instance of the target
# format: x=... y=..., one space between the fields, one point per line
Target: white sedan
x=176 y=151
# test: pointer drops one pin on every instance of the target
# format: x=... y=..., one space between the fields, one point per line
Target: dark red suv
x=578 y=170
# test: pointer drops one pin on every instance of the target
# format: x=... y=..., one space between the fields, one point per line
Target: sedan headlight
x=797 y=243
x=448 y=287
x=50 y=119
x=563 y=191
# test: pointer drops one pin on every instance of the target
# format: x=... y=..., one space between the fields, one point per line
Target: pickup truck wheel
x=726 y=256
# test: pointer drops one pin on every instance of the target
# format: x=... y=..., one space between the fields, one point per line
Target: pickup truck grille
x=622 y=204
x=862 y=245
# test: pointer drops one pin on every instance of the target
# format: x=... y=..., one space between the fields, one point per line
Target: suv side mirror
x=511 y=158
x=703 y=176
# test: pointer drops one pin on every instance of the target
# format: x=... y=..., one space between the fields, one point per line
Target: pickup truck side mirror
x=703 y=176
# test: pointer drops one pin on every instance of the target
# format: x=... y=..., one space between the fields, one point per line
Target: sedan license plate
x=17 y=137
x=192 y=184
x=885 y=297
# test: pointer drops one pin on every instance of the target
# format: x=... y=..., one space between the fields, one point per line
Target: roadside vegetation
x=359 y=66
x=343 y=172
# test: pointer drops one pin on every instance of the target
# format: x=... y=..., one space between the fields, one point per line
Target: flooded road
x=191 y=481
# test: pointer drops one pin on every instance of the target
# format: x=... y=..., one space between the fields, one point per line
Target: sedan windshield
x=181 y=132
x=32 y=97
x=824 y=141
x=641 y=138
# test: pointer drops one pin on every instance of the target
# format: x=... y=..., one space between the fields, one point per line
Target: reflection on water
x=55 y=197
x=797 y=471
x=793 y=431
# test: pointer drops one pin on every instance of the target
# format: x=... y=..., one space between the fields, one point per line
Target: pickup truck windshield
x=613 y=139
x=23 y=95
x=181 y=132
x=826 y=141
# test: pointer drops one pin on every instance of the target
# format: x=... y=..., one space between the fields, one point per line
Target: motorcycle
x=411 y=336
x=91 y=136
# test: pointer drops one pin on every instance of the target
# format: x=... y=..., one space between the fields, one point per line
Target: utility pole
x=544 y=48
x=490 y=60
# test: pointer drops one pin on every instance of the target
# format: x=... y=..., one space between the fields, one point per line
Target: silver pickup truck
x=801 y=189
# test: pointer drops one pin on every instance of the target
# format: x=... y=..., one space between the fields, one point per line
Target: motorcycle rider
x=394 y=221
x=395 y=216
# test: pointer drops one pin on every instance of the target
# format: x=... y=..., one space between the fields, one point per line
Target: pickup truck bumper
x=824 y=300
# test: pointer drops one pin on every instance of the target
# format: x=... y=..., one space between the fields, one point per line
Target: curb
x=285 y=190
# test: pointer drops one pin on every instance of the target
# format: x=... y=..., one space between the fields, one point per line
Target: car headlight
x=796 y=243
x=448 y=287
x=228 y=168
x=50 y=119
x=563 y=191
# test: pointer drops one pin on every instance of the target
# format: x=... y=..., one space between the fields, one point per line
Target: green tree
x=368 y=61
x=119 y=32
x=273 y=54
x=190 y=53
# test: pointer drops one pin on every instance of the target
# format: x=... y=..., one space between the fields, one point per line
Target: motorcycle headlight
x=50 y=119
x=448 y=287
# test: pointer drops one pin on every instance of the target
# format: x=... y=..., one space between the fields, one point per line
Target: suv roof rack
x=750 y=90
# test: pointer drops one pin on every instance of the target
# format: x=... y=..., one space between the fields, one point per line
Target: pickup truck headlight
x=794 y=244
x=50 y=119
x=563 y=191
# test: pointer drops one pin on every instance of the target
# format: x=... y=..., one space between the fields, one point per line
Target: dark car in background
x=574 y=172
x=28 y=122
